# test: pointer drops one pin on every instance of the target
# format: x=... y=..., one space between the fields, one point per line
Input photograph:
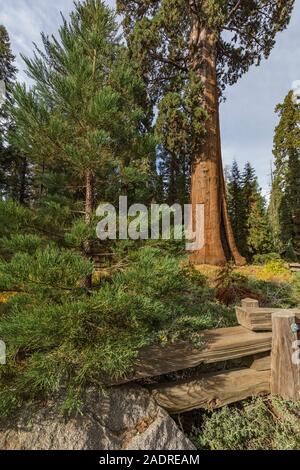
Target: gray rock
x=122 y=418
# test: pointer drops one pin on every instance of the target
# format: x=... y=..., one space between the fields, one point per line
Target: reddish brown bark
x=208 y=185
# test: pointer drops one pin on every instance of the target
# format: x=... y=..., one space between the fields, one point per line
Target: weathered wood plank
x=212 y=391
x=250 y=316
x=294 y=267
x=249 y=303
x=257 y=319
x=285 y=364
x=261 y=362
x=218 y=345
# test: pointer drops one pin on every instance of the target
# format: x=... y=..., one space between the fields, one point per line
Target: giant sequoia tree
x=185 y=45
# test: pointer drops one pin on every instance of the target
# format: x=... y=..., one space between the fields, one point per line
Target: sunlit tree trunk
x=208 y=185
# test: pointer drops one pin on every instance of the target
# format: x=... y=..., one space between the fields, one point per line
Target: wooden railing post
x=285 y=360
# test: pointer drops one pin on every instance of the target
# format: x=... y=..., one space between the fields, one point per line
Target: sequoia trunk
x=208 y=184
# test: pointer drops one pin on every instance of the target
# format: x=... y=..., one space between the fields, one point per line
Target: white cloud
x=26 y=19
x=248 y=116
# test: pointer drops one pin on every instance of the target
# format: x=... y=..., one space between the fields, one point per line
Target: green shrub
x=266 y=258
x=61 y=338
x=232 y=286
x=260 y=424
x=276 y=268
x=273 y=294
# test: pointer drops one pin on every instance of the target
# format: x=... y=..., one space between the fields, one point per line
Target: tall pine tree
x=13 y=166
x=247 y=208
x=285 y=198
x=83 y=116
x=236 y=206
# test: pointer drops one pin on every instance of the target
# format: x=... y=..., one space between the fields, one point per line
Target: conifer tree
x=250 y=187
x=83 y=115
x=13 y=166
x=248 y=212
x=7 y=75
x=259 y=233
x=184 y=41
x=285 y=198
x=236 y=206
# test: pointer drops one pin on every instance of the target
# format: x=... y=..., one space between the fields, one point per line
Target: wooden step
x=217 y=345
x=212 y=391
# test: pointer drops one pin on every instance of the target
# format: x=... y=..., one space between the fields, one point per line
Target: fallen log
x=212 y=391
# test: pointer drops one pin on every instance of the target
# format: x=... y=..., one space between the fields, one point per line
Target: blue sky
x=247 y=116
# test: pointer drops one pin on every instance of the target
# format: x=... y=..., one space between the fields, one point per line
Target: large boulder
x=122 y=418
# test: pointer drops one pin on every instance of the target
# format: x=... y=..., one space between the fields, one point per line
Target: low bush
x=266 y=258
x=259 y=424
x=61 y=338
x=275 y=268
x=232 y=286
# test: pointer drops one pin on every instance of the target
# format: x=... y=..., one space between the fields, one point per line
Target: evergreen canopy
x=159 y=32
x=84 y=110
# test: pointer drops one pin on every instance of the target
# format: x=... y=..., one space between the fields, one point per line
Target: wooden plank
x=257 y=319
x=294 y=267
x=261 y=362
x=212 y=391
x=250 y=316
x=285 y=363
x=218 y=345
x=250 y=303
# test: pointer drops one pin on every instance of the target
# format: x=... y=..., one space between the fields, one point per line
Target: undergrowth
x=61 y=338
x=259 y=424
